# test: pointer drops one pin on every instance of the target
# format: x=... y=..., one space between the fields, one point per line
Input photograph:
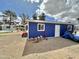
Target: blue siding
x=49 y=30
x=63 y=28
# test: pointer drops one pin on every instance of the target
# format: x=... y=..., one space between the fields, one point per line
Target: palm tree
x=12 y=15
x=24 y=18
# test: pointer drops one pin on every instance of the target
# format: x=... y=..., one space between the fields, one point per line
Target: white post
x=28 y=31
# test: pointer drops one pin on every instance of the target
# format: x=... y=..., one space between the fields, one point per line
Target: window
x=69 y=27
x=8 y=27
x=41 y=27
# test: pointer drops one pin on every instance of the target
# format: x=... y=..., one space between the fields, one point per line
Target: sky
x=29 y=7
x=20 y=6
x=52 y=8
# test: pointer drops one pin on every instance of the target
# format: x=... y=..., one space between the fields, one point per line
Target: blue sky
x=19 y=6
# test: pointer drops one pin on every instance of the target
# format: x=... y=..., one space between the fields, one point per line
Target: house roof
x=53 y=22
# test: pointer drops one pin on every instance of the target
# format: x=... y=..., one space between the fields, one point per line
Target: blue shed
x=47 y=29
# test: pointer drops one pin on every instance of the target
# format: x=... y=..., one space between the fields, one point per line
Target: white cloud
x=59 y=14
x=32 y=1
x=1 y=17
x=74 y=8
x=19 y=18
x=71 y=2
x=1 y=13
x=42 y=7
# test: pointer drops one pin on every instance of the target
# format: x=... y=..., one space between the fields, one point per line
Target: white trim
x=53 y=22
x=25 y=27
x=28 y=32
x=57 y=30
x=38 y=27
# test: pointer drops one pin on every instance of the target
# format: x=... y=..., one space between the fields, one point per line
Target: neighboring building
x=5 y=25
x=47 y=29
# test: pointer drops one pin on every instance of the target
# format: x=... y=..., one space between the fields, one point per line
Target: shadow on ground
x=46 y=45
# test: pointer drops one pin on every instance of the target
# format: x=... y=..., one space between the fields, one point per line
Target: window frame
x=41 y=25
x=8 y=27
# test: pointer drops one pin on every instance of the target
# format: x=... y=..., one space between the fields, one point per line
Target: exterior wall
x=49 y=30
x=4 y=27
x=63 y=28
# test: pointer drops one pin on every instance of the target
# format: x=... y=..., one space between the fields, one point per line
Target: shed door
x=57 y=30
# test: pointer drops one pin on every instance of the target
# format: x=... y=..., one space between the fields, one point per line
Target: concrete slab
x=47 y=45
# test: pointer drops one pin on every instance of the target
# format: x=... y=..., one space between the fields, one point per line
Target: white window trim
x=38 y=27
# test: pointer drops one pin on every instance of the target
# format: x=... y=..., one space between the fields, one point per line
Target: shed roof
x=53 y=22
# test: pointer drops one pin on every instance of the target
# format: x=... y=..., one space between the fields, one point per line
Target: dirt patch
x=11 y=46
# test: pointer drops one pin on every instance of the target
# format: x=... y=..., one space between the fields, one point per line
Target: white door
x=57 y=30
